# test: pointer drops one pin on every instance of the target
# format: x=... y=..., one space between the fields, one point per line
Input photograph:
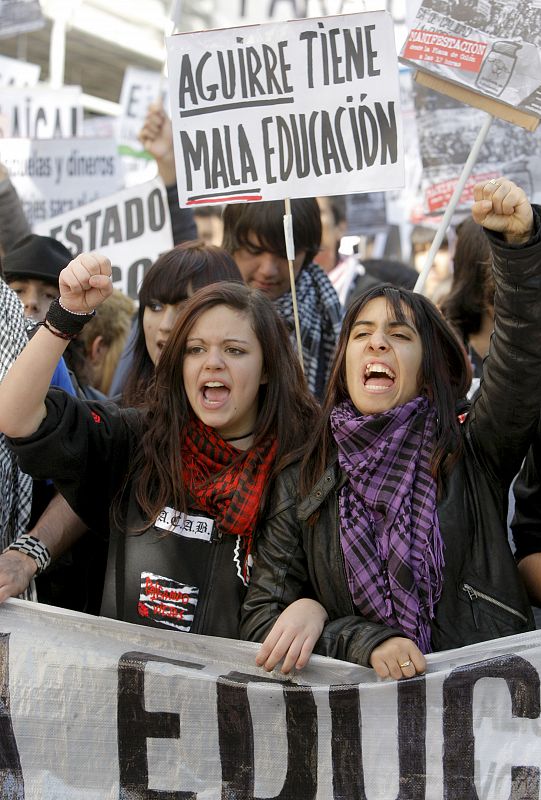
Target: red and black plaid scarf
x=227 y=487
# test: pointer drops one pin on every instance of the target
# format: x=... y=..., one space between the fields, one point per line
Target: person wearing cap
x=31 y=270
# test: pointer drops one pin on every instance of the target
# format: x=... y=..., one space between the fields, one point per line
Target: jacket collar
x=332 y=479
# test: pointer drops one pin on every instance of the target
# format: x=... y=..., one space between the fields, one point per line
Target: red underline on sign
x=224 y=199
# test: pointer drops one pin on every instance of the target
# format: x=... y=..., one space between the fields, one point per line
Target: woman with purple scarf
x=394 y=522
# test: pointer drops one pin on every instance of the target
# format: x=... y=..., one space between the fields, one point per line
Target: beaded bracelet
x=30 y=546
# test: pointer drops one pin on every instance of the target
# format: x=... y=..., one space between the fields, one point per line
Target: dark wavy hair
x=444 y=378
x=266 y=221
x=287 y=410
x=472 y=289
x=173 y=276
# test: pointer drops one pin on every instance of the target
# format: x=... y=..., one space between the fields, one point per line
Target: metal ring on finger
x=405 y=664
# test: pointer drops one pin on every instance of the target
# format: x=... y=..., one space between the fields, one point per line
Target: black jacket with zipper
x=188 y=579
x=483 y=597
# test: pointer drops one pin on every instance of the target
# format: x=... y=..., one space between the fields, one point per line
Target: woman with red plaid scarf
x=183 y=481
x=395 y=519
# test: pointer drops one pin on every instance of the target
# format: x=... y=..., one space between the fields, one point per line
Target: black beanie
x=40 y=257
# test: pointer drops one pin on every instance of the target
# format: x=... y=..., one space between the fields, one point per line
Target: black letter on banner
x=458 y=738
x=11 y=774
x=136 y=725
x=237 y=739
x=346 y=742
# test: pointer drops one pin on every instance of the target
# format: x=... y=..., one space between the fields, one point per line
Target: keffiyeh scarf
x=320 y=318
x=15 y=486
x=228 y=488
x=389 y=525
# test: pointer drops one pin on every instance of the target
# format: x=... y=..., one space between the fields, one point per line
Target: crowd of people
x=174 y=466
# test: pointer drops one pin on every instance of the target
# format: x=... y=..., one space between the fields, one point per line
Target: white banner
x=18 y=73
x=94 y=709
x=38 y=113
x=304 y=108
x=53 y=176
x=131 y=227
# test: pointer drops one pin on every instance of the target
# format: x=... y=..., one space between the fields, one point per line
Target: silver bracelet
x=76 y=313
x=30 y=546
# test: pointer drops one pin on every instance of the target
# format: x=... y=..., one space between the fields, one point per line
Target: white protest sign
x=95 y=708
x=297 y=109
x=18 y=73
x=140 y=88
x=37 y=113
x=19 y=16
x=198 y=14
x=53 y=176
x=131 y=227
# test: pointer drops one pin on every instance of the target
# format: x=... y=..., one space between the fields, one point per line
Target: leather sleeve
x=503 y=417
x=526 y=524
x=183 y=224
x=85 y=448
x=280 y=576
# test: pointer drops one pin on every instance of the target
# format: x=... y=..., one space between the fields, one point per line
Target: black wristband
x=65 y=321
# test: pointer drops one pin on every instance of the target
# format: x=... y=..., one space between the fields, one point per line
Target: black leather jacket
x=482 y=596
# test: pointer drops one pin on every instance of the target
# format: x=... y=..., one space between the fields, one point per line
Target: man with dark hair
x=254 y=235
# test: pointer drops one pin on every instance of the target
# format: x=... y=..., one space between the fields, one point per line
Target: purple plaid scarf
x=389 y=528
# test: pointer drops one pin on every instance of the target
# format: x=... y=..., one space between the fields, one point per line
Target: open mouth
x=215 y=392
x=378 y=377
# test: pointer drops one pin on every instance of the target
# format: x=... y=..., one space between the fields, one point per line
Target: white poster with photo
x=297 y=109
x=132 y=228
x=491 y=48
x=94 y=708
x=19 y=16
x=18 y=73
x=447 y=130
x=53 y=176
x=40 y=113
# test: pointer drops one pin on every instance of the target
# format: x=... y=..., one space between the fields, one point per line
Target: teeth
x=213 y=384
x=379 y=368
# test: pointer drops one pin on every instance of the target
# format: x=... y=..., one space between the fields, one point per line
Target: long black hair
x=444 y=377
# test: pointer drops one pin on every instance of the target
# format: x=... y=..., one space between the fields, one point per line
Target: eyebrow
x=224 y=341
x=391 y=325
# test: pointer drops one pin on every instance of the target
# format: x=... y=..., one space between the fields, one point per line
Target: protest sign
x=37 y=113
x=198 y=15
x=19 y=16
x=140 y=88
x=366 y=213
x=446 y=132
x=297 y=109
x=18 y=73
x=490 y=48
x=52 y=176
x=132 y=228
x=95 y=708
